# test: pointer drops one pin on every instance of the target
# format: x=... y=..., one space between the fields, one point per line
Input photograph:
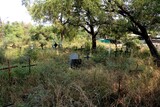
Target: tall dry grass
x=101 y=81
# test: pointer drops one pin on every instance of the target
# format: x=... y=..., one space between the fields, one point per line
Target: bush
x=100 y=55
x=87 y=46
x=32 y=53
x=130 y=44
x=144 y=54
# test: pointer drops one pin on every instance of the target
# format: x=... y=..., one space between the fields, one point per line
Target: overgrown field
x=102 y=81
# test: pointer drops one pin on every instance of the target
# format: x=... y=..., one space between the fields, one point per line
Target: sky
x=12 y=10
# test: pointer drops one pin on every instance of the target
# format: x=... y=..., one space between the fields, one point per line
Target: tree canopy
x=138 y=16
x=85 y=14
x=142 y=17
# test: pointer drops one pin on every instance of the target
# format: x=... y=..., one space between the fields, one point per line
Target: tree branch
x=85 y=29
x=125 y=13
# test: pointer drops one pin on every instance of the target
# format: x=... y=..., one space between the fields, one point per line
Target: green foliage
x=15 y=29
x=42 y=33
x=100 y=55
x=21 y=73
x=32 y=53
x=141 y=17
x=144 y=11
x=117 y=31
x=42 y=42
x=86 y=15
x=16 y=32
x=130 y=44
x=96 y=16
x=71 y=32
x=87 y=46
x=144 y=54
x=22 y=59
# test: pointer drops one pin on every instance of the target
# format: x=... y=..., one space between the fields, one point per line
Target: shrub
x=87 y=46
x=144 y=54
x=100 y=55
x=32 y=53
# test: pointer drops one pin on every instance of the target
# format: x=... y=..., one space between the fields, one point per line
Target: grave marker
x=31 y=46
x=74 y=60
x=109 y=49
x=87 y=56
x=29 y=65
x=42 y=45
x=74 y=56
x=9 y=69
x=55 y=45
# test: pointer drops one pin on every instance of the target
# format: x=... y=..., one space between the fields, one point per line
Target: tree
x=14 y=32
x=52 y=11
x=142 y=16
x=85 y=14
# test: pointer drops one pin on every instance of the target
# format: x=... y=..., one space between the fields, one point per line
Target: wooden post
x=109 y=49
x=29 y=65
x=9 y=69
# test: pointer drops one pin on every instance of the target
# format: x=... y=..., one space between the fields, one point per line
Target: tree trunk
x=62 y=37
x=142 y=32
x=94 y=44
x=62 y=34
x=150 y=45
x=148 y=41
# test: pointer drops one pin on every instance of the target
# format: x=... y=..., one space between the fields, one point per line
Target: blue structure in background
x=109 y=41
x=105 y=40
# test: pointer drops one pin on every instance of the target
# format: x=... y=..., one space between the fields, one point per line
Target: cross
x=87 y=56
x=9 y=69
x=29 y=65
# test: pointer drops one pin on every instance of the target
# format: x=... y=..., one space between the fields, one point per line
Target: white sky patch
x=12 y=10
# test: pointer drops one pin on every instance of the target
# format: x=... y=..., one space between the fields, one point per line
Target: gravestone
x=31 y=46
x=55 y=45
x=74 y=60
